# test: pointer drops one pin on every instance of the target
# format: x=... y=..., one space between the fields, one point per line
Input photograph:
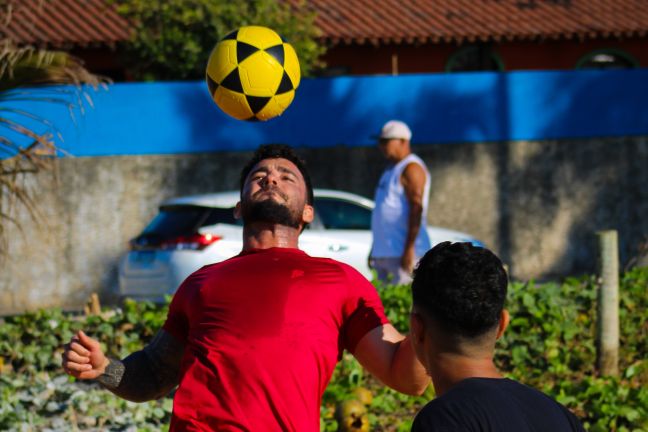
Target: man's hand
x=83 y=357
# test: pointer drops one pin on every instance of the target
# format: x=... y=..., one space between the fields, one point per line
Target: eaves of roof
x=460 y=21
x=62 y=23
x=376 y=22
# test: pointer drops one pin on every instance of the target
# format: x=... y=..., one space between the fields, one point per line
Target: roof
x=64 y=22
x=422 y=21
x=88 y=22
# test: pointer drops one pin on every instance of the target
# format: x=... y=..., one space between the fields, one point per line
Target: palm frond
x=29 y=74
x=28 y=66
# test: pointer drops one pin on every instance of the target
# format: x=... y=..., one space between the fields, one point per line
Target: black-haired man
x=457 y=315
x=252 y=341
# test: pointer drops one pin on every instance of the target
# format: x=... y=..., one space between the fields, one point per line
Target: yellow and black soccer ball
x=252 y=73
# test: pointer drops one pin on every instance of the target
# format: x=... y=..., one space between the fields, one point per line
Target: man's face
x=275 y=192
x=391 y=148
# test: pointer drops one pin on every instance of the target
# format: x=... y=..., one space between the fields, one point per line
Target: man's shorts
x=389 y=270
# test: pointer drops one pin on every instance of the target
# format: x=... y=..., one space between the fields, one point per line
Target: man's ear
x=308 y=214
x=237 y=210
x=417 y=328
x=417 y=335
x=503 y=323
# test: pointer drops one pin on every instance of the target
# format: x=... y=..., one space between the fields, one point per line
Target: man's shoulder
x=413 y=158
x=333 y=262
x=465 y=393
x=439 y=415
x=345 y=270
x=502 y=404
x=207 y=271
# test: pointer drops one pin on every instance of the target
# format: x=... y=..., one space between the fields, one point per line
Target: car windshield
x=173 y=221
x=339 y=214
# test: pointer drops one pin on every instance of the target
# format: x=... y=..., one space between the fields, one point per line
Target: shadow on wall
x=346 y=115
x=571 y=187
x=332 y=122
x=553 y=185
x=574 y=188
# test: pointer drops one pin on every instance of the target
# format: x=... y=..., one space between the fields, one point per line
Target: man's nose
x=270 y=178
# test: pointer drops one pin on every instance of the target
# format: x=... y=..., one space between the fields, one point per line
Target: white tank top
x=389 y=219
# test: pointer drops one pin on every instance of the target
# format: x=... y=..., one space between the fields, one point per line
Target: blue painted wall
x=171 y=118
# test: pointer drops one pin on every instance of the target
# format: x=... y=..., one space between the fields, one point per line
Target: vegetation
x=549 y=345
x=27 y=141
x=172 y=39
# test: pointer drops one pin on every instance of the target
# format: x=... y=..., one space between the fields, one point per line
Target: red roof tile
x=63 y=22
x=86 y=22
x=420 y=21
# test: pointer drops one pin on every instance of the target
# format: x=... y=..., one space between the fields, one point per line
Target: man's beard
x=269 y=211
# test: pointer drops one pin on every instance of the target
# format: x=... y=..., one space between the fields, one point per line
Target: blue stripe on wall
x=164 y=118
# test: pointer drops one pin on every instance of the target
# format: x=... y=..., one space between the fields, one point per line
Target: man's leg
x=402 y=277
x=389 y=270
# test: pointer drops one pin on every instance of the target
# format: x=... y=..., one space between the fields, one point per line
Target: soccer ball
x=252 y=74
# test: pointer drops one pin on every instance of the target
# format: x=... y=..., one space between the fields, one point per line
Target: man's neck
x=448 y=369
x=264 y=236
x=399 y=157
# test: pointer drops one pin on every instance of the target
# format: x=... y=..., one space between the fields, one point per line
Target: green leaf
x=173 y=39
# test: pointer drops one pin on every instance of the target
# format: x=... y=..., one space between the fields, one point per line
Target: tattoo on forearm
x=113 y=374
x=147 y=374
x=165 y=355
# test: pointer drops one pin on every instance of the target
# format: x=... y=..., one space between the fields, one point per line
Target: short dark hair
x=460 y=287
x=274 y=151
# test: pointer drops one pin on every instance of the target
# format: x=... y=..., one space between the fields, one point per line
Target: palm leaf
x=29 y=74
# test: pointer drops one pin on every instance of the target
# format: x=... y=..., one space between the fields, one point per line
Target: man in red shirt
x=251 y=342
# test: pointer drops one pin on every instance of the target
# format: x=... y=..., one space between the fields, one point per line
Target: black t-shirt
x=497 y=405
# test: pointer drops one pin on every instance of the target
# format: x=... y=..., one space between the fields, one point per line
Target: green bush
x=172 y=39
x=549 y=345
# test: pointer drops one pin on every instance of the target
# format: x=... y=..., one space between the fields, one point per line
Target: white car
x=193 y=231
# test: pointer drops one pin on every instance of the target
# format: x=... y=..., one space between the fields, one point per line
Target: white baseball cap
x=395 y=129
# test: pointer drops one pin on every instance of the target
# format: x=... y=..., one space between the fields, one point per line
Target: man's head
x=458 y=297
x=394 y=140
x=276 y=188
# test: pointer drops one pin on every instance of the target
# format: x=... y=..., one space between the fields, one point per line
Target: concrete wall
x=537 y=204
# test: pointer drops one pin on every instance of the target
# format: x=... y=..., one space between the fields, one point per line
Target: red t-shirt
x=263 y=332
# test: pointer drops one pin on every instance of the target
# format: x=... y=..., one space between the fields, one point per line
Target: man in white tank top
x=398 y=221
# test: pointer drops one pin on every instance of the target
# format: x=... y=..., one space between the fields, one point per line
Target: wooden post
x=92 y=306
x=607 y=338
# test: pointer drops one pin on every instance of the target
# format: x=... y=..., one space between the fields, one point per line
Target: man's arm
x=144 y=375
x=390 y=357
x=413 y=181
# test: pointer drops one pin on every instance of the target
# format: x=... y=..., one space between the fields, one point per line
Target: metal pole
x=608 y=305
